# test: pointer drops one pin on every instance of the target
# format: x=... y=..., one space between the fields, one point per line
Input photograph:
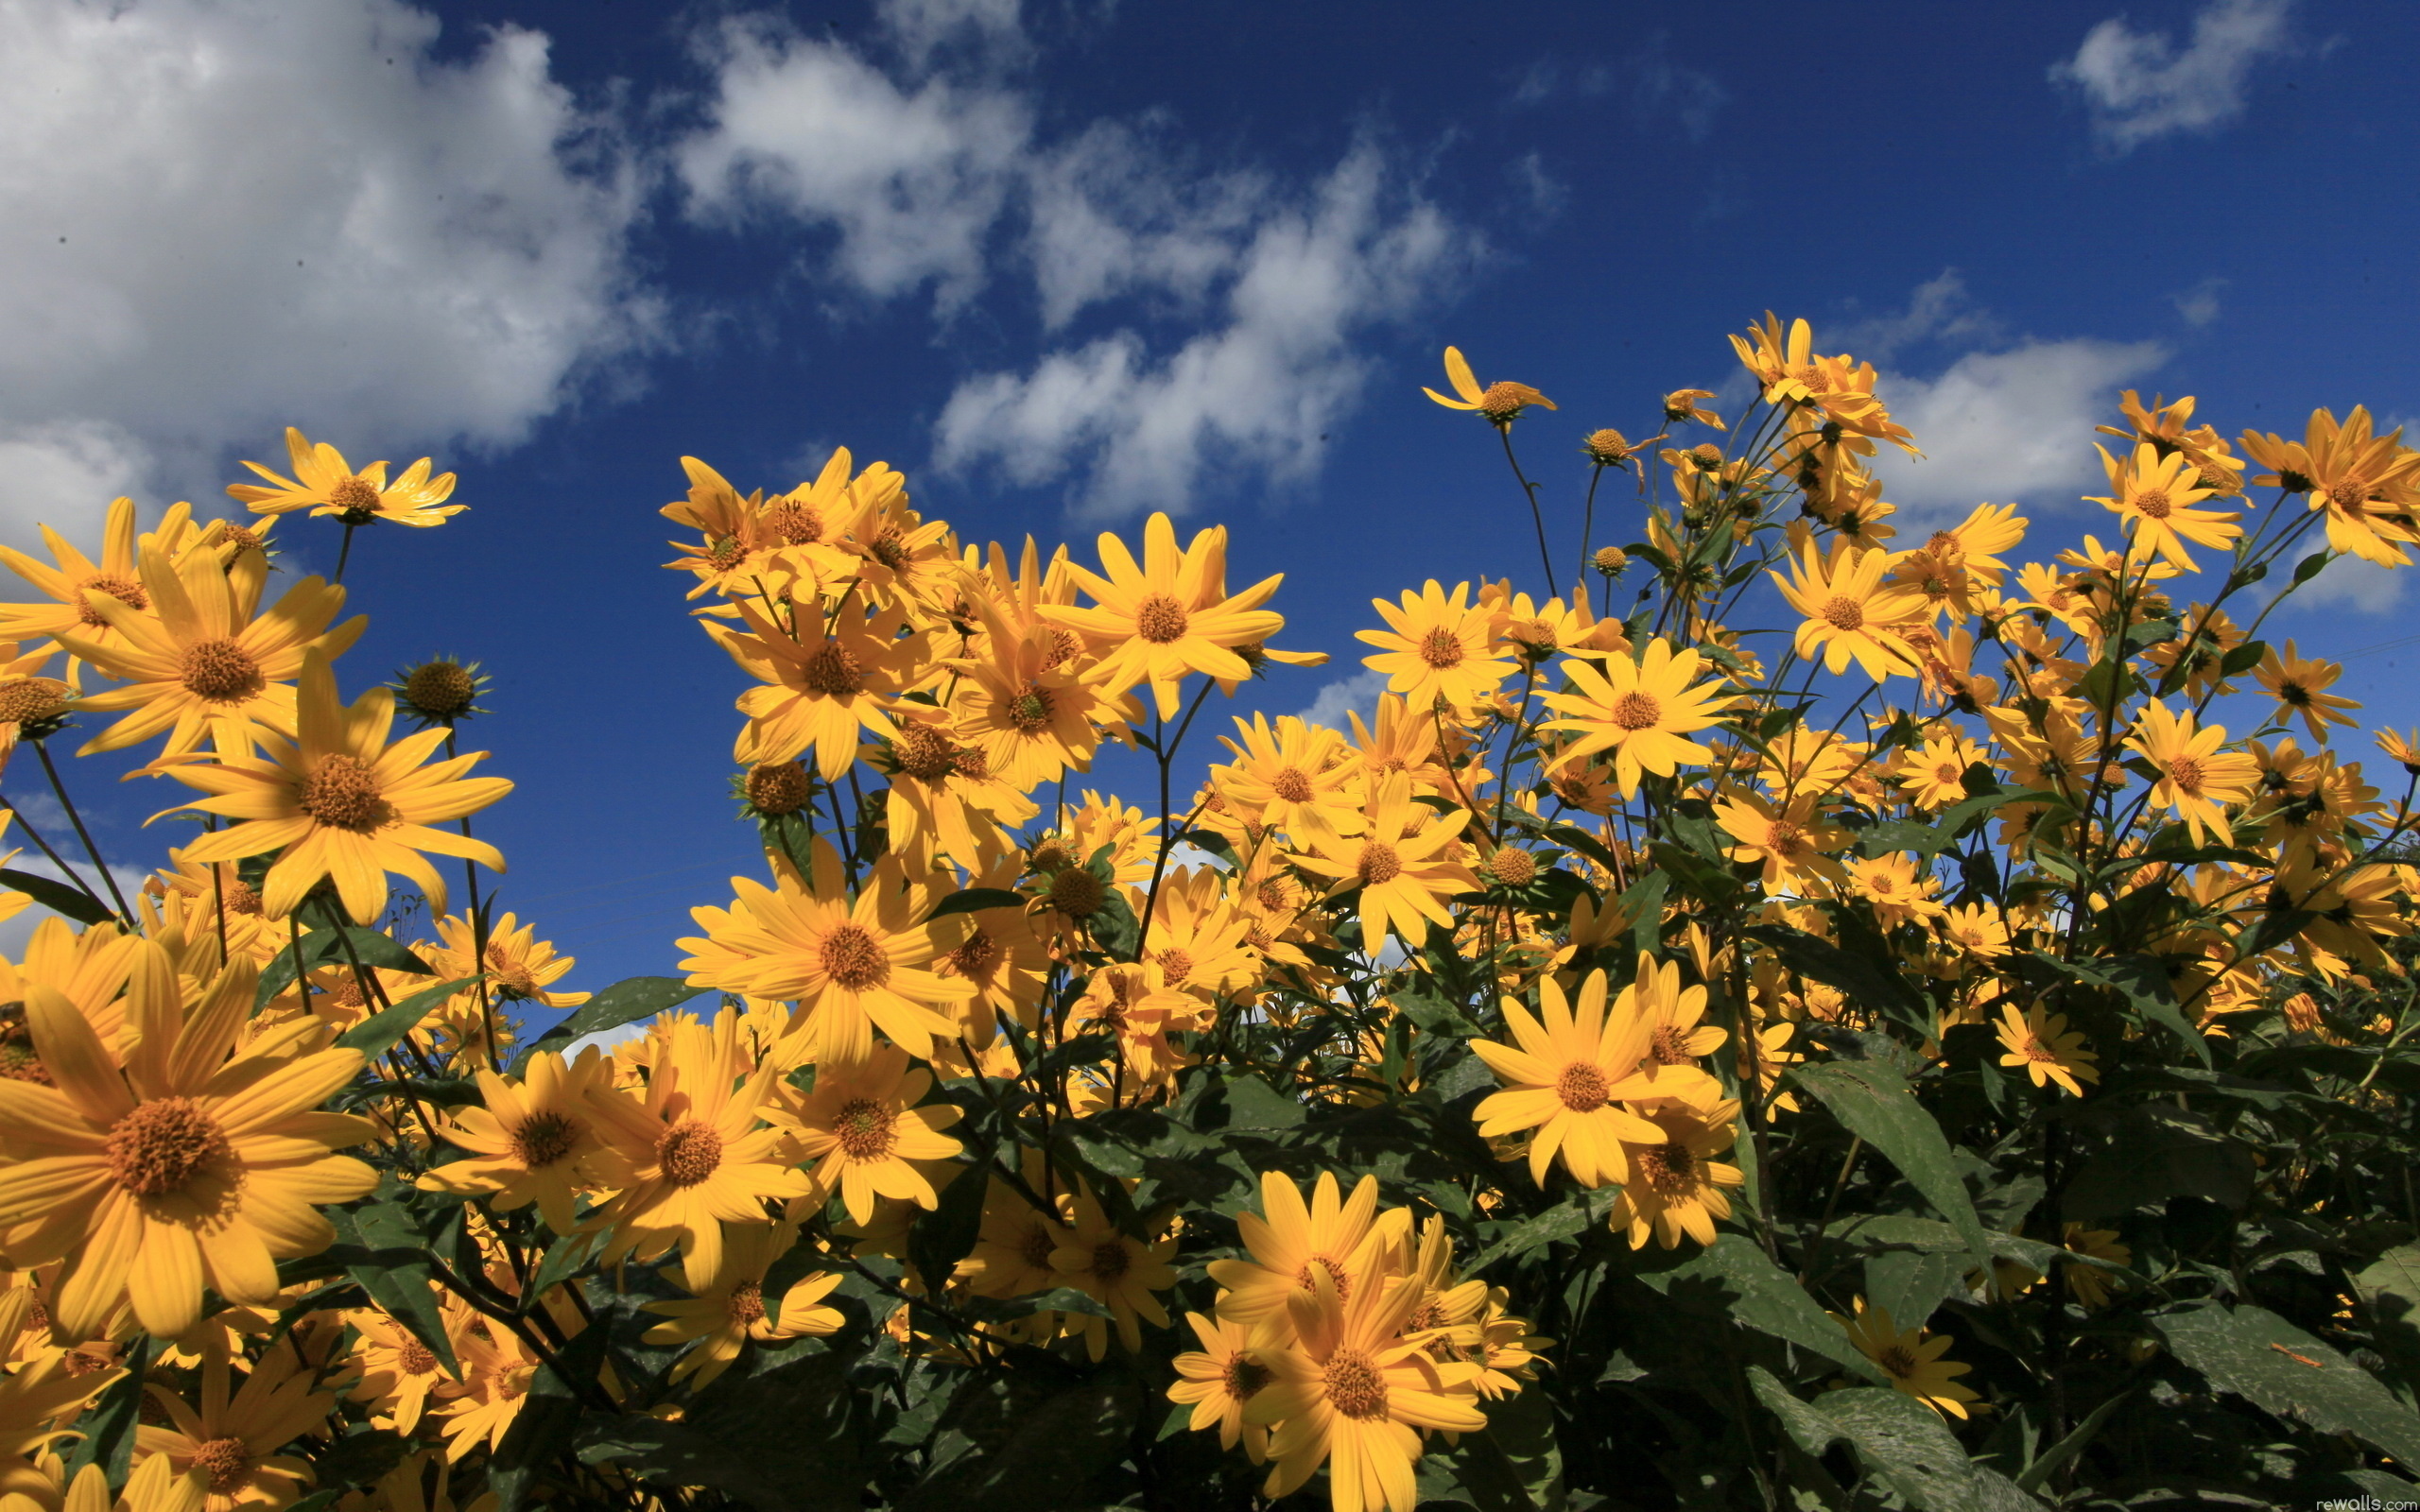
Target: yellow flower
x=1501 y=402
x=1294 y=778
x=1343 y=1240
x=2042 y=1045
x=2300 y=688
x=1897 y=890
x=1790 y=841
x=1977 y=929
x=226 y=1451
x=729 y=1309
x=1850 y=615
x=536 y=1140
x=863 y=1130
x=1399 y=863
x=117 y=575
x=2198 y=781
x=500 y=1367
x=1219 y=1379
x=1168 y=616
x=1676 y=1184
x=175 y=1166
x=2090 y=1284
x=1935 y=776
x=1567 y=1080
x=340 y=803
x=1438 y=647
x=1640 y=710
x=520 y=965
x=1097 y=1260
x=325 y=484
x=398 y=1373
x=1912 y=1362
x=1682 y=404
x=2154 y=499
x=2366 y=482
x=821 y=682
x=1028 y=709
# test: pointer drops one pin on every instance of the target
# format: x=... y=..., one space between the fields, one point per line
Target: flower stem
x=41 y=749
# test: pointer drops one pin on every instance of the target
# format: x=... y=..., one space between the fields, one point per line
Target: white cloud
x=64 y=473
x=2349 y=582
x=1938 y=309
x=227 y=216
x=1668 y=95
x=2002 y=427
x=2199 y=305
x=1357 y=693
x=2141 y=86
x=920 y=27
x=1108 y=218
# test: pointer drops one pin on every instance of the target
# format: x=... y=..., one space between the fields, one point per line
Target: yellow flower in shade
x=535 y=1141
x=1682 y=404
x=1168 y=616
x=2365 y=481
x=1565 y=1078
x=730 y=1311
x=498 y=1367
x=2041 y=1044
x=2300 y=685
x=198 y=664
x=695 y=1149
x=1220 y=1379
x=1642 y=712
x=1438 y=646
x=1912 y=1362
x=1850 y=615
x=34 y=1400
x=1341 y=1239
x=1676 y=1184
x=1977 y=929
x=1400 y=864
x=2153 y=496
x=863 y=1129
x=2089 y=1285
x=1115 y=1268
x=856 y=965
x=1501 y=402
x=225 y=1452
x=1791 y=842
x=341 y=804
x=1353 y=1393
x=398 y=1373
x=168 y=1166
x=821 y=683
x=324 y=483
x=1895 y=888
x=1014 y=1247
x=520 y=965
x=2197 y=781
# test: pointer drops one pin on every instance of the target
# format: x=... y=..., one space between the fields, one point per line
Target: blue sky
x=1066 y=263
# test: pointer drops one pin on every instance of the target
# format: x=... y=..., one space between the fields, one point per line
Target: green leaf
x=1900 y=1438
x=799 y=1422
x=563 y=1260
x=1911 y=1283
x=323 y=947
x=548 y=1422
x=2079 y=1438
x=682 y=1455
x=1875 y=1103
x=2390 y=1289
x=59 y=897
x=1050 y=1448
x=395 y=1269
x=1866 y=980
x=625 y=1001
x=940 y=1239
x=975 y=900
x=2242 y=657
x=2259 y=1357
x=2157 y=1152
x=2140 y=979
x=1744 y=1283
x=108 y=1426
x=1114 y=927
x=382 y=1031
x=2311 y=566
x=1435 y=1015
x=360 y=1458
x=1559 y=1222
x=1250 y=1102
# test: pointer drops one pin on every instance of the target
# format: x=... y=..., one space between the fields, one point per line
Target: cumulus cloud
x=1357 y=693
x=2349 y=582
x=228 y=215
x=2199 y=305
x=1939 y=309
x=2141 y=86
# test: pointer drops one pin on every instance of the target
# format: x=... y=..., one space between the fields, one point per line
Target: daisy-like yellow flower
x=1641 y=710
x=1676 y=1040
x=1676 y=1184
x=340 y=803
x=2041 y=1044
x=325 y=484
x=2403 y=747
x=1682 y=404
x=696 y=1150
x=398 y=1373
x=1170 y=615
x=2154 y=497
x=1438 y=646
x=1850 y=615
x=1977 y=929
x=168 y=1166
x=2089 y=1285
x=225 y=1451
x=1400 y=864
x=1353 y=1393
x=519 y=965
x=1111 y=1267
x=1565 y=1078
x=1912 y=1362
x=821 y=683
x=1501 y=402
x=2300 y=686
x=535 y=1141
x=863 y=1130
x=2198 y=781
x=197 y=663
x=1790 y=841
x=730 y=1311
x=1340 y=1238
x=2366 y=482
x=1030 y=711
x=1220 y=1379
x=1897 y=889
x=1293 y=776
x=1935 y=776
x=498 y=1366
x=857 y=965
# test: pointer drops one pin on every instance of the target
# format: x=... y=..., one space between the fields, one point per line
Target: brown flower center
x=1897 y=1359
x=1076 y=893
x=1502 y=401
x=1176 y=964
x=512 y=976
x=688 y=1152
x=343 y=793
x=1667 y=1046
x=1785 y=838
x=2349 y=496
x=778 y=787
x=833 y=672
x=1380 y=863
x=890 y=548
x=923 y=753
x=127 y=591
x=545 y=1138
x=1031 y=709
x=441 y=690
x=1843 y=613
x=1638 y=710
x=155 y=1150
x=1442 y=648
x=854 y=959
x=415 y=1357
x=1038 y=1246
x=1065 y=645
x=226 y=1463
x=746 y=1303
x=1110 y=1260
x=27 y=700
x=355 y=496
x=1582 y=1087
x=1246 y=1376
x=1292 y=785
x=1354 y=1386
x=2184 y=774
x=1512 y=867
x=975 y=957
x=793 y=522
x=1159 y=619
x=866 y=1129
x=1669 y=1168
x=1337 y=1276
x=2154 y=505
x=222 y=672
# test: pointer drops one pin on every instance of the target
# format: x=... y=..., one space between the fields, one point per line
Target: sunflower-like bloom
x=398 y=1373
x=1850 y=615
x=1935 y=776
x=497 y=1365
x=1399 y=862
x=863 y=1131
x=2366 y=483
x=153 y=1173
x=1169 y=616
x=1640 y=710
x=339 y=804
x=697 y=1149
x=1676 y=1040
x=1027 y=707
x=2198 y=781
x=1292 y=777
x=1676 y=1185
x=520 y=965
x=535 y=1141
x=1789 y=841
x=821 y=683
x=1438 y=646
x=1354 y=1393
x=33 y=1402
x=1501 y=402
x=2154 y=496
x=1567 y=1080
x=117 y=575
x=856 y=965
x=1342 y=1238
x=324 y=483
x=729 y=1309
x=1912 y=1362
x=1111 y=1267
x=2040 y=1043
x=225 y=1451
x=197 y=663
x=1220 y=1379
x=2299 y=685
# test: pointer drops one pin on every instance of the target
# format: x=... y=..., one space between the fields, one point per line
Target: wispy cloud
x=1356 y=694
x=2199 y=305
x=2141 y=86
x=1669 y=94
